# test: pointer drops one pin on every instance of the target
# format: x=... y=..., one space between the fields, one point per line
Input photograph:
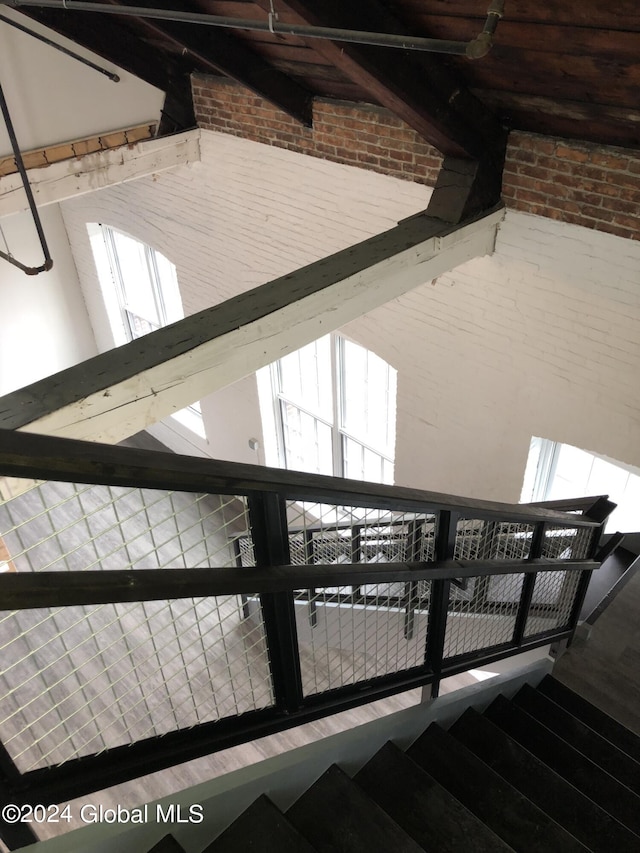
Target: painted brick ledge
x=579 y=183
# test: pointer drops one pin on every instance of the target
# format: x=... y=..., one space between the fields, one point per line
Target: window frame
x=119 y=281
x=191 y=416
x=339 y=433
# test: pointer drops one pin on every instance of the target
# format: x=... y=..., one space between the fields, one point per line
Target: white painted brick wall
x=244 y=215
x=541 y=338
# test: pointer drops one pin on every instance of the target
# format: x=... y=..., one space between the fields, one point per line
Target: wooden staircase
x=546 y=771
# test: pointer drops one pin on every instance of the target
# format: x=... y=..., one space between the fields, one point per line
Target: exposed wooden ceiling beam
x=418 y=88
x=124 y=390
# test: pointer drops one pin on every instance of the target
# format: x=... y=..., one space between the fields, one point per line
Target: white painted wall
x=54 y=98
x=45 y=326
x=244 y=215
x=539 y=339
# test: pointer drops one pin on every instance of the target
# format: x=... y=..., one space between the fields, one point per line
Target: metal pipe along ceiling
x=475 y=49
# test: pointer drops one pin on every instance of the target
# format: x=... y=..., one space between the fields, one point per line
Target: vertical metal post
x=356 y=551
x=308 y=558
x=583 y=583
x=445 y=545
x=526 y=596
x=410 y=597
x=244 y=599
x=267 y=514
x=487 y=550
x=599 y=511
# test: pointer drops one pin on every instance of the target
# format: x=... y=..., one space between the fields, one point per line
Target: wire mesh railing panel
x=351 y=639
x=482 y=615
x=553 y=599
x=71 y=527
x=492 y=540
x=79 y=680
x=322 y=533
x=567 y=543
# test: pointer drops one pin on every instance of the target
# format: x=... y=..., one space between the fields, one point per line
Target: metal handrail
x=60 y=589
x=25 y=454
x=271 y=588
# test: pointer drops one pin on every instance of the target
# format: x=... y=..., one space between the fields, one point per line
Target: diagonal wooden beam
x=120 y=392
x=464 y=188
x=418 y=88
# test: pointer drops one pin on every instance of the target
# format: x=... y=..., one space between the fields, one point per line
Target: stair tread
x=338 y=817
x=422 y=807
x=261 y=828
x=579 y=815
x=610 y=794
x=168 y=844
x=504 y=809
x=580 y=736
x=593 y=716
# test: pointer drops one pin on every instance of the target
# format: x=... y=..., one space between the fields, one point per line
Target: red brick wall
x=579 y=183
x=355 y=134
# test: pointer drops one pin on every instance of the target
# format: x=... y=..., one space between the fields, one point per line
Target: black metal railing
x=198 y=604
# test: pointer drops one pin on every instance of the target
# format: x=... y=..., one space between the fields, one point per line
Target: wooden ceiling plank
x=576 y=78
x=251 y=12
x=590 y=122
x=333 y=89
x=598 y=14
x=565 y=108
x=548 y=38
x=307 y=71
x=289 y=53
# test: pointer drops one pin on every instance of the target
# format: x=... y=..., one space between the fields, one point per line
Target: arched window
x=146 y=284
x=141 y=295
x=330 y=408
